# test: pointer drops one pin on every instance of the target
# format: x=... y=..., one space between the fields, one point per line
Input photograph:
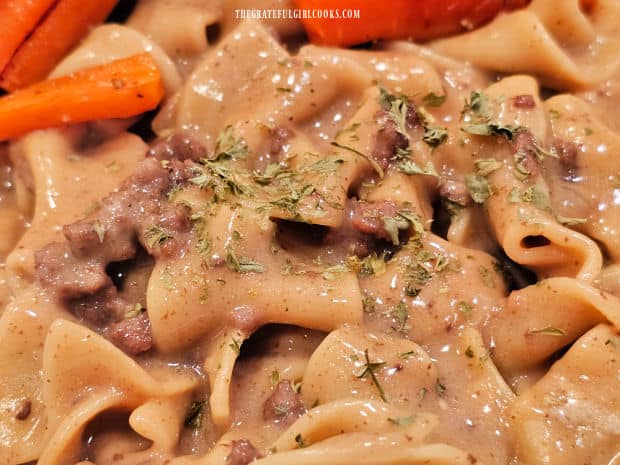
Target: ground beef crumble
x=75 y=270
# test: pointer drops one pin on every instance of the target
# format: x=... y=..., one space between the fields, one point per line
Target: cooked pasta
x=318 y=255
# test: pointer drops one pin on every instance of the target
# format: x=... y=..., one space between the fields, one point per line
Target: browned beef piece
x=350 y=238
x=179 y=146
x=367 y=217
x=279 y=137
x=284 y=405
x=23 y=409
x=100 y=309
x=388 y=139
x=110 y=233
x=455 y=191
x=567 y=152
x=69 y=276
x=133 y=335
x=525 y=102
x=524 y=143
x=139 y=212
x=242 y=452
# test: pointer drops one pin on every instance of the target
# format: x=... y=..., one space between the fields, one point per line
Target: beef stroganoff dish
x=395 y=253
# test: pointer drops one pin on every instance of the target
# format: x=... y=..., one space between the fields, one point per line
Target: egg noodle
x=393 y=254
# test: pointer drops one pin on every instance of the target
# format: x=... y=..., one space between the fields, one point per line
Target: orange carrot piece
x=400 y=19
x=119 y=89
x=18 y=18
x=61 y=29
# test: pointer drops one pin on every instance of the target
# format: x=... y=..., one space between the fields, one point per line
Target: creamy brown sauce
x=346 y=256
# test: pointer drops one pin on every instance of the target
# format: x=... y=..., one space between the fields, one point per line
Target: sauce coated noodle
x=380 y=256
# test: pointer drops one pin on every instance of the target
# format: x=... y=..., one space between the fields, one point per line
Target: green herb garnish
x=402 y=421
x=229 y=147
x=548 y=331
x=243 y=264
x=369 y=371
x=193 y=419
x=433 y=100
x=409 y=167
x=435 y=136
x=478 y=187
x=156 y=235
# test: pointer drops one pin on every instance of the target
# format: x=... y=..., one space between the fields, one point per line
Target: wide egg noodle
x=449 y=336
x=566 y=47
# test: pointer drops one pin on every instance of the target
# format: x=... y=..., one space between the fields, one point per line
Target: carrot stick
x=119 y=89
x=63 y=27
x=18 y=18
x=400 y=19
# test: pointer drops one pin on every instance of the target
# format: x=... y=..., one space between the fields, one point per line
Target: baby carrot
x=399 y=19
x=18 y=18
x=59 y=31
x=119 y=89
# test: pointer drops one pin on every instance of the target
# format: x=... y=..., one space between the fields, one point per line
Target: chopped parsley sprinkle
x=193 y=419
x=400 y=314
x=406 y=355
x=299 y=441
x=402 y=421
x=370 y=265
x=487 y=165
x=433 y=100
x=369 y=371
x=478 y=111
x=229 y=147
x=478 y=187
x=99 y=229
x=487 y=276
x=521 y=171
x=465 y=307
x=548 y=331
x=614 y=341
x=272 y=172
x=491 y=128
x=440 y=388
x=243 y=264
x=570 y=221
x=235 y=345
x=368 y=304
x=393 y=225
x=156 y=235
x=331 y=272
x=289 y=202
x=216 y=176
x=397 y=108
x=351 y=131
x=532 y=195
x=479 y=103
x=135 y=311
x=411 y=290
x=409 y=167
x=435 y=136
x=325 y=165
x=370 y=160
x=203 y=246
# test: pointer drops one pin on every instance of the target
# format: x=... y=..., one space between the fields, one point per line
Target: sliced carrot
x=119 y=89
x=18 y=18
x=61 y=29
x=400 y=19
